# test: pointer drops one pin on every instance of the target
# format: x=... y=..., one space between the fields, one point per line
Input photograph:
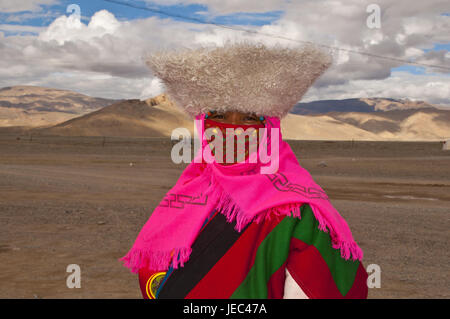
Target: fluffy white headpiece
x=245 y=77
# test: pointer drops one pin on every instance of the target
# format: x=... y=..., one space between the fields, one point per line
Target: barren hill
x=425 y=124
x=366 y=105
x=155 y=117
x=73 y=114
x=33 y=106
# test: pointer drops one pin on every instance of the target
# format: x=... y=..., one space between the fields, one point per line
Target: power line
x=236 y=28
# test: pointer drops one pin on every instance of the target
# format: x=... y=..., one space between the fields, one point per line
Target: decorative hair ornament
x=209 y=113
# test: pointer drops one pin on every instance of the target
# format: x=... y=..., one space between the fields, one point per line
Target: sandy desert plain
x=83 y=200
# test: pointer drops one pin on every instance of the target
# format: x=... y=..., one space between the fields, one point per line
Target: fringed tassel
x=349 y=250
x=292 y=210
x=182 y=257
x=136 y=259
x=232 y=212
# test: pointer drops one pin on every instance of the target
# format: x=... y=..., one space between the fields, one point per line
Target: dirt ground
x=83 y=201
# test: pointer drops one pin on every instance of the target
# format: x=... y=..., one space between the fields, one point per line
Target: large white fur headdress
x=245 y=77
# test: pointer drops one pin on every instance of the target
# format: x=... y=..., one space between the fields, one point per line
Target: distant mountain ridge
x=158 y=117
x=154 y=117
x=424 y=124
x=366 y=105
x=40 y=106
x=359 y=119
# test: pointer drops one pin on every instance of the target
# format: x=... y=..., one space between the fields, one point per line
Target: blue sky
x=135 y=11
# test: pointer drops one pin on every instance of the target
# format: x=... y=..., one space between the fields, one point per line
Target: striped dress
x=282 y=257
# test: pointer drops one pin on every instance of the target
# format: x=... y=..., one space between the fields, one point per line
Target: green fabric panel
x=274 y=250
x=270 y=256
x=343 y=271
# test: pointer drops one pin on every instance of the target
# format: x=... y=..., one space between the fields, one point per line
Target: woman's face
x=236 y=118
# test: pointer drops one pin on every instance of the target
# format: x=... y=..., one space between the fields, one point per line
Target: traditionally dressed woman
x=246 y=228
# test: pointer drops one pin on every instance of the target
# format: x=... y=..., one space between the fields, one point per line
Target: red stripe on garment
x=311 y=272
x=359 y=289
x=275 y=286
x=229 y=272
x=277 y=281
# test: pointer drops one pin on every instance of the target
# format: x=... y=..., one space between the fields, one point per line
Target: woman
x=241 y=227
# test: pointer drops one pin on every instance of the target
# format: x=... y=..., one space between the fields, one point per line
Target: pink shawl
x=242 y=194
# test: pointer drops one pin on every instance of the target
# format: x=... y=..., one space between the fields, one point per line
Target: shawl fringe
x=232 y=212
x=161 y=260
x=136 y=259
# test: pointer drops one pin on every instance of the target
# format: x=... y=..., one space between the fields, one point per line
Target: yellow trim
x=148 y=285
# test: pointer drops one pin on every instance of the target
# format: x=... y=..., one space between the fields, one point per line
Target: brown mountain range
x=155 y=117
x=33 y=106
x=359 y=119
x=364 y=105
